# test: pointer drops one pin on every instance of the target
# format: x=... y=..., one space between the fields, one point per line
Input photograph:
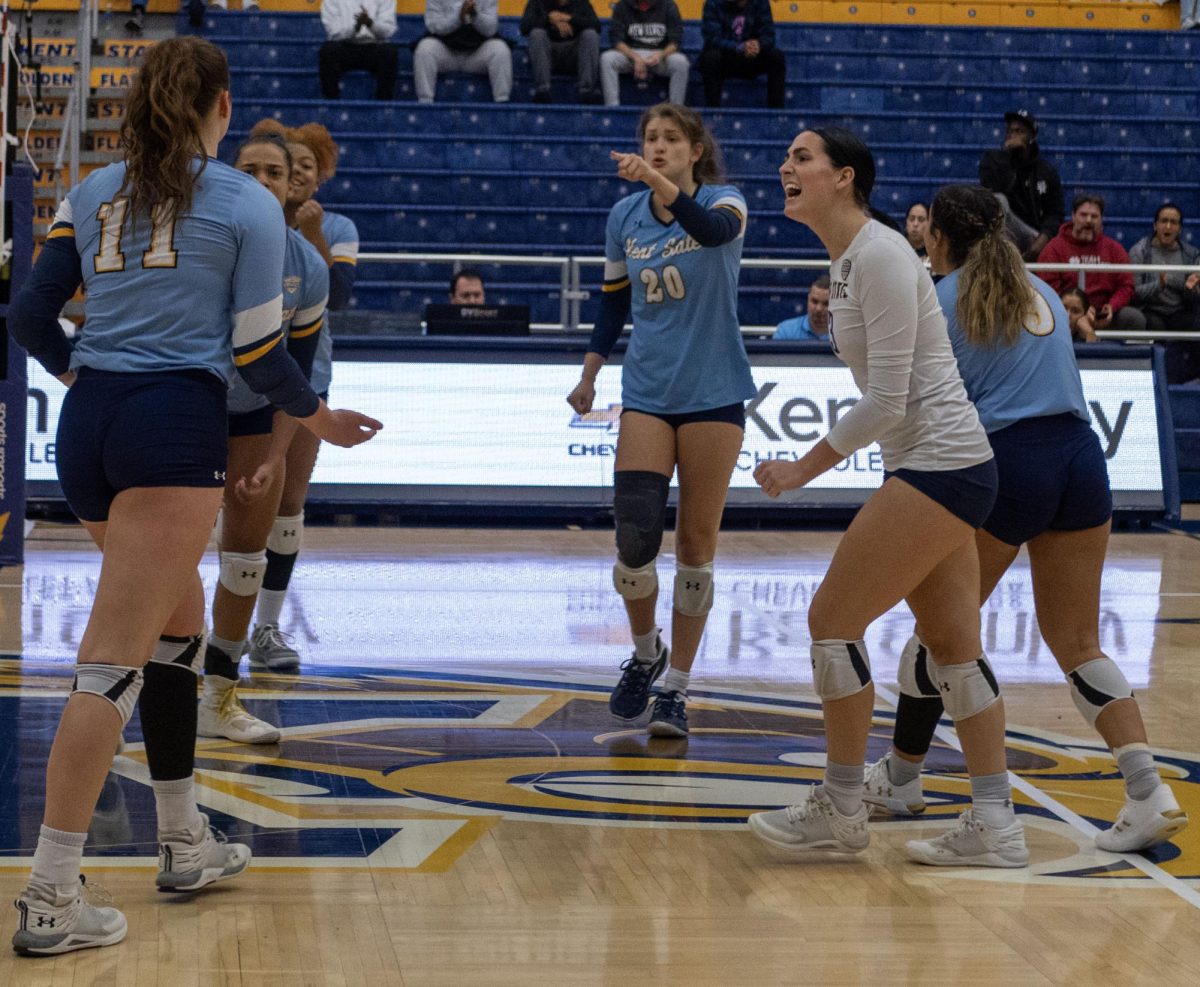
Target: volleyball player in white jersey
x=672 y=257
x=914 y=538
x=1012 y=338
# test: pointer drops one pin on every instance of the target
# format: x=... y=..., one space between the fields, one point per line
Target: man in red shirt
x=1082 y=241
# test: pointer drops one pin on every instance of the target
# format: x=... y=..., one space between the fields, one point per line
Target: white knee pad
x=286 y=534
x=1095 y=684
x=182 y=652
x=635 y=584
x=966 y=689
x=118 y=684
x=914 y=675
x=840 y=668
x=693 y=589
x=242 y=574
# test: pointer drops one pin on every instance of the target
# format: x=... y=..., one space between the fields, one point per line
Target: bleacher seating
x=1118 y=114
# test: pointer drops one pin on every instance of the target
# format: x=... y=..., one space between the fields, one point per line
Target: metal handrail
x=573 y=294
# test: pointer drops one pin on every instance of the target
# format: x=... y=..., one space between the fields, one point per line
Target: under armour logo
x=45 y=922
x=289 y=534
x=249 y=575
x=944 y=686
x=688 y=584
x=218 y=475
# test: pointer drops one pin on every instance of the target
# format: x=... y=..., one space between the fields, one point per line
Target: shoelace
x=800 y=811
x=93 y=893
x=643 y=669
x=275 y=638
x=231 y=706
x=670 y=704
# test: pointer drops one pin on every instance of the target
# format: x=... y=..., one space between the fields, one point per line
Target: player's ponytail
x=995 y=299
x=177 y=85
x=709 y=169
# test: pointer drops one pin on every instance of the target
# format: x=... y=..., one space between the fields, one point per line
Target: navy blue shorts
x=969 y=494
x=256 y=422
x=732 y=414
x=123 y=430
x=1052 y=478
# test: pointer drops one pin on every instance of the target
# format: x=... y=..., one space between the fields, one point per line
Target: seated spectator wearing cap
x=1026 y=183
x=813 y=324
x=1082 y=241
x=739 y=40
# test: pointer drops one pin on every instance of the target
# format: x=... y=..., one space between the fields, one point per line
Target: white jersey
x=888 y=328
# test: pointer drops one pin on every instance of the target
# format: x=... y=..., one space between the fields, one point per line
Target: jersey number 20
x=110 y=259
x=671 y=279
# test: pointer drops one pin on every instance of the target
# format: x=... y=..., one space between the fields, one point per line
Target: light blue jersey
x=342 y=236
x=1035 y=377
x=686 y=352
x=305 y=293
x=199 y=292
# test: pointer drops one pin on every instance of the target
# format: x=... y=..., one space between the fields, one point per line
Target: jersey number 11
x=160 y=253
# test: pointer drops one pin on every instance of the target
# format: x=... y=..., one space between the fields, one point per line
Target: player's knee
x=118 y=684
x=635 y=584
x=968 y=688
x=242 y=572
x=915 y=675
x=693 y=589
x=181 y=652
x=640 y=512
x=1095 y=685
x=286 y=535
x=840 y=668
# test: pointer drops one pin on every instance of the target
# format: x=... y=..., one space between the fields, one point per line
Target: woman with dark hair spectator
x=916 y=222
x=1012 y=346
x=1080 y=315
x=914 y=539
x=1169 y=300
x=314 y=162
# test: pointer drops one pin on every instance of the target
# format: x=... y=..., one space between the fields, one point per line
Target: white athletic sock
x=645 y=646
x=991 y=798
x=270 y=606
x=676 y=681
x=900 y=771
x=58 y=857
x=1139 y=770
x=843 y=783
x=176 y=804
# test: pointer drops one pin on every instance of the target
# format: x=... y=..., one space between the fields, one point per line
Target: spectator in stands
x=814 y=324
x=1082 y=240
x=1026 y=183
x=462 y=38
x=1080 y=314
x=916 y=222
x=358 y=32
x=1168 y=301
x=466 y=287
x=195 y=11
x=564 y=36
x=1189 y=15
x=645 y=35
x=739 y=40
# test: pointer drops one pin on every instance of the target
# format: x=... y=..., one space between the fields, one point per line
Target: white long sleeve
x=888 y=328
x=338 y=17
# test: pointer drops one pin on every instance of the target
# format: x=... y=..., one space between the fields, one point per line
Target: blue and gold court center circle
x=408 y=770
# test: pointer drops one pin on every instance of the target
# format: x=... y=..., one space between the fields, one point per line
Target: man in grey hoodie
x=645 y=35
x=462 y=38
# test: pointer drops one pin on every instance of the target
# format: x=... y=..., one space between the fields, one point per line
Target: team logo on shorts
x=291 y=284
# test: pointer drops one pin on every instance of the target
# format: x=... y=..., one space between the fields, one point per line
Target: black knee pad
x=640 y=510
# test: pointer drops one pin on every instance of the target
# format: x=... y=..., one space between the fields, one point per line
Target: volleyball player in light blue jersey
x=1012 y=340
x=259 y=437
x=182 y=260
x=672 y=256
x=314 y=159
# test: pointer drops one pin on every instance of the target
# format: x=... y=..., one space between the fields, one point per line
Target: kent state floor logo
x=408 y=770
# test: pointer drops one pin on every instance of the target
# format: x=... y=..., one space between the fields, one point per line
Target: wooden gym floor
x=452 y=803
